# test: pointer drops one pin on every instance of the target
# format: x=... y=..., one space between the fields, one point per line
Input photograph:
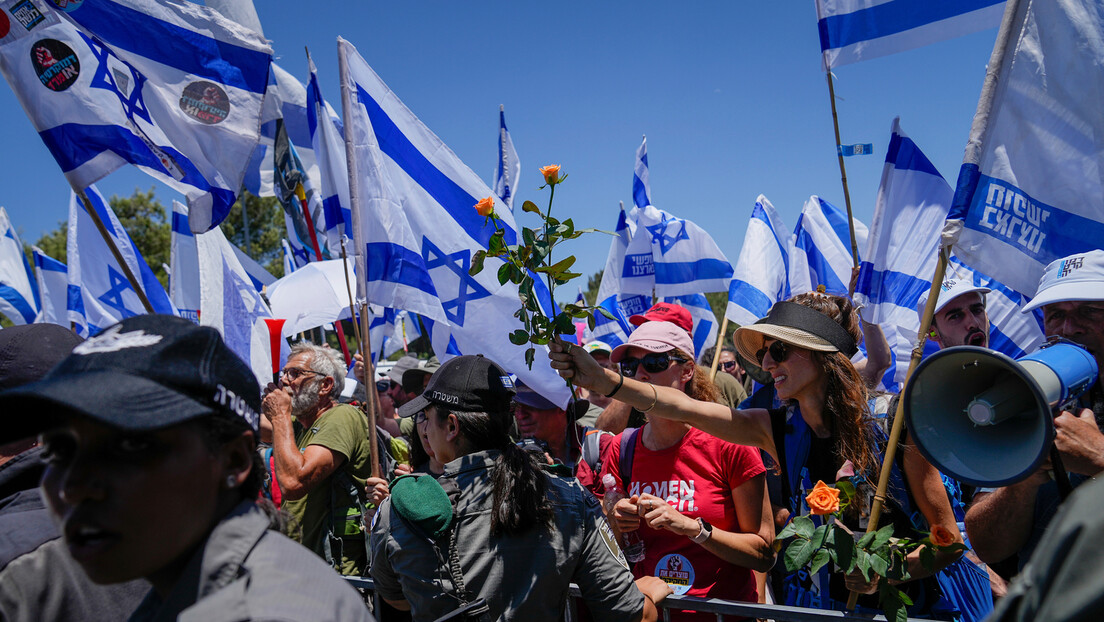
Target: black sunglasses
x=779 y=352
x=383 y=386
x=654 y=363
x=729 y=365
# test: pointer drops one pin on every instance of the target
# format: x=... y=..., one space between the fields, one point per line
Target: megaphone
x=985 y=418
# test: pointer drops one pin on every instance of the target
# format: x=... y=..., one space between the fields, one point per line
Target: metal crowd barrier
x=716 y=606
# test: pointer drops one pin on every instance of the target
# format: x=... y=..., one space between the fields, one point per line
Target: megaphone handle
x=1061 y=477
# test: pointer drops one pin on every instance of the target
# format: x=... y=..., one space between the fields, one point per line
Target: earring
x=231 y=481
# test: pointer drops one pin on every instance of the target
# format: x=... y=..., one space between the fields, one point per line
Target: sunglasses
x=729 y=365
x=779 y=352
x=419 y=417
x=293 y=373
x=383 y=386
x=654 y=363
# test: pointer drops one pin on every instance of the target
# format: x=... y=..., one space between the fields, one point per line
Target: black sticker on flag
x=55 y=63
x=27 y=14
x=205 y=102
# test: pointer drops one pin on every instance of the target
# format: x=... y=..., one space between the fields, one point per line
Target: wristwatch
x=705 y=533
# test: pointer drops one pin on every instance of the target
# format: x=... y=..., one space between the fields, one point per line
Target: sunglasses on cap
x=779 y=352
x=654 y=363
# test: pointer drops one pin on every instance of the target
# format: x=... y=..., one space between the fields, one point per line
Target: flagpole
x=717 y=351
x=843 y=175
x=372 y=403
x=899 y=416
x=114 y=250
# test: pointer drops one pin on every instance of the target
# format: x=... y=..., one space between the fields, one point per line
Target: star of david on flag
x=656 y=258
x=457 y=263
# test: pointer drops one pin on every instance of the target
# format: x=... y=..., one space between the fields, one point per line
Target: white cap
x=597 y=346
x=1077 y=277
x=950 y=289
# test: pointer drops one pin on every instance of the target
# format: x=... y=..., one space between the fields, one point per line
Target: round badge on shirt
x=676 y=571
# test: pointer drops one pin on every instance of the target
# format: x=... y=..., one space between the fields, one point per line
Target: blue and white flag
x=404 y=330
x=328 y=143
x=610 y=297
x=1030 y=188
x=673 y=256
x=99 y=292
x=642 y=191
x=418 y=255
x=183 y=265
x=173 y=88
x=230 y=304
x=705 y=323
x=901 y=255
x=289 y=257
x=761 y=275
x=53 y=288
x=508 y=169
x=19 y=299
x=821 y=252
x=285 y=99
x=857 y=30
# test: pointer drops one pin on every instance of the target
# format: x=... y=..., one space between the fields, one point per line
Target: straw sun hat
x=796 y=325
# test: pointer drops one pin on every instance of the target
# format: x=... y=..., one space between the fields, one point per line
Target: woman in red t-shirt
x=700 y=503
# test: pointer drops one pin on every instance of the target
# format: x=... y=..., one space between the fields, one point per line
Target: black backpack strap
x=628 y=448
x=778 y=431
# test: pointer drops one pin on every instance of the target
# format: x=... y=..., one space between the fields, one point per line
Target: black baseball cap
x=470 y=383
x=27 y=352
x=144 y=373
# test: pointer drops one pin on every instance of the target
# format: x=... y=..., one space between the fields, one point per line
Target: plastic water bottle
x=631 y=544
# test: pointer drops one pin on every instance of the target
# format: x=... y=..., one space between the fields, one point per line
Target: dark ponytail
x=520 y=488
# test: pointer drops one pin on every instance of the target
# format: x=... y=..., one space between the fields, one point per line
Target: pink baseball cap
x=656 y=336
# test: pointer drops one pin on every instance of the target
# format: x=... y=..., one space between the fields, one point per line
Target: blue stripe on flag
x=454 y=199
x=904 y=155
x=686 y=271
x=819 y=265
x=895 y=288
x=759 y=212
x=750 y=298
x=173 y=46
x=1003 y=343
x=888 y=18
x=394 y=263
x=74 y=144
x=15 y=299
x=180 y=224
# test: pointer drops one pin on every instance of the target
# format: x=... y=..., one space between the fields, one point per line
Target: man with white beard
x=322 y=455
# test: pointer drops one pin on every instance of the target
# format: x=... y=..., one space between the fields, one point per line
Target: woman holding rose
x=826 y=432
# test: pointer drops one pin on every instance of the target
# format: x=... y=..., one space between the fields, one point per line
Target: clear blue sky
x=730 y=95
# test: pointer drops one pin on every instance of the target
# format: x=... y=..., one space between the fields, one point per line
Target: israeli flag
x=1030 y=189
x=404 y=329
x=19 y=298
x=673 y=256
x=289 y=257
x=231 y=305
x=183 y=265
x=705 y=323
x=53 y=287
x=642 y=191
x=857 y=30
x=761 y=275
x=821 y=253
x=900 y=259
x=416 y=257
x=508 y=170
x=610 y=297
x=303 y=212
x=173 y=88
x=286 y=100
x=328 y=143
x=99 y=292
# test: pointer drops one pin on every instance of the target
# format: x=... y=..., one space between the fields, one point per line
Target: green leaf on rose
x=799 y=553
x=879 y=564
x=519 y=337
x=559 y=267
x=591 y=321
x=819 y=560
x=504 y=273
x=529 y=354
x=843 y=544
x=477 y=262
x=530 y=207
x=804 y=526
x=881 y=537
x=606 y=312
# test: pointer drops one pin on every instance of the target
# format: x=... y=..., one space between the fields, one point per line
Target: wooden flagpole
x=843 y=175
x=88 y=207
x=717 y=352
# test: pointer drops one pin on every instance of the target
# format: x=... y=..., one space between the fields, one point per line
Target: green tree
x=593 y=282
x=266 y=229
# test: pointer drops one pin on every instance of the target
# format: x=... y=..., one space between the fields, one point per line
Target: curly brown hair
x=846 y=397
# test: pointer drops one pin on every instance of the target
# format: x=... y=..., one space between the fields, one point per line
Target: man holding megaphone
x=1009 y=520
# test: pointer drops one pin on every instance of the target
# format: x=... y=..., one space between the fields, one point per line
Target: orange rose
x=823 y=499
x=940 y=536
x=551 y=174
x=485 y=207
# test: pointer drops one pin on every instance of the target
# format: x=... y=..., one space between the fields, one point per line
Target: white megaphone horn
x=987 y=419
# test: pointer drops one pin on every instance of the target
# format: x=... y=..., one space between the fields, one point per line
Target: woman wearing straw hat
x=827 y=428
x=699 y=503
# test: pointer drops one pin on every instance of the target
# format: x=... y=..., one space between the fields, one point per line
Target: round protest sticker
x=5 y=24
x=55 y=63
x=205 y=102
x=67 y=5
x=676 y=571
